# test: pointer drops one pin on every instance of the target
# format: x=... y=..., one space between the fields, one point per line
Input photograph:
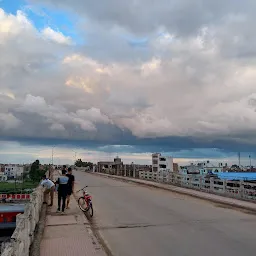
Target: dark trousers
x=62 y=197
x=47 y=192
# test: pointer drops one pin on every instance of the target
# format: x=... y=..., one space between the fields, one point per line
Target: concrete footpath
x=248 y=206
x=69 y=234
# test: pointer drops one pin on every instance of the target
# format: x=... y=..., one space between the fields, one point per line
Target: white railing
x=236 y=189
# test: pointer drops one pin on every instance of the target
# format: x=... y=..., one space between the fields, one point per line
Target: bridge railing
x=235 y=189
x=23 y=234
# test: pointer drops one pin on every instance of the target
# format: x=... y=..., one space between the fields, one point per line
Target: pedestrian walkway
x=69 y=234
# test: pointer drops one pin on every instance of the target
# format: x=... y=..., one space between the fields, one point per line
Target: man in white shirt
x=49 y=189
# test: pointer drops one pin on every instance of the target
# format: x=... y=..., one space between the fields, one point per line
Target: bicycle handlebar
x=82 y=189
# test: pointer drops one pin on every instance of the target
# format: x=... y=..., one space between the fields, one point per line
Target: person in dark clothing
x=71 y=182
x=64 y=169
x=62 y=191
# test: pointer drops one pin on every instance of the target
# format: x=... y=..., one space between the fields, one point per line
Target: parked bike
x=85 y=201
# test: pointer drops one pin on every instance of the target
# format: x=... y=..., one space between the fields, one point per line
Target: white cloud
x=57 y=127
x=9 y=121
x=199 y=83
x=58 y=37
x=151 y=67
x=8 y=94
x=11 y=25
x=58 y=116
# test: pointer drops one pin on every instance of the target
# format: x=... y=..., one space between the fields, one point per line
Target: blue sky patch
x=138 y=42
x=11 y=6
x=43 y=17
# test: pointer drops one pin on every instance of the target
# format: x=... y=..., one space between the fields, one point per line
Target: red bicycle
x=85 y=201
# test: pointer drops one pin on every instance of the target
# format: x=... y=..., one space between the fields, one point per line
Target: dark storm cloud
x=191 y=85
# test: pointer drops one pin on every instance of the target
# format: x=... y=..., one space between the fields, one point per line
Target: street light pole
x=51 y=169
x=52 y=156
x=75 y=156
x=15 y=179
x=250 y=162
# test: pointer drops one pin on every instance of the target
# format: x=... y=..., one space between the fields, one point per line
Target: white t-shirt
x=47 y=183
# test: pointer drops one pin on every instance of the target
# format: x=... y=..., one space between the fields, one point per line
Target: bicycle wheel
x=90 y=210
x=82 y=204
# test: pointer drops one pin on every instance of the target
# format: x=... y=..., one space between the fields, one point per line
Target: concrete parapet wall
x=234 y=189
x=23 y=235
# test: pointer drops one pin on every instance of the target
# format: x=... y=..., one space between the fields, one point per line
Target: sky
x=127 y=78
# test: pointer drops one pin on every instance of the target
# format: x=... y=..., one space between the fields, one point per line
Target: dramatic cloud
x=183 y=17
x=147 y=70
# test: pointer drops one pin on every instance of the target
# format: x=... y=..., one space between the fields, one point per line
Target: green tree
x=36 y=173
x=80 y=163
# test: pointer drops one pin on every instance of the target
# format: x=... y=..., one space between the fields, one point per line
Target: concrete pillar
x=200 y=183
x=212 y=184
x=224 y=186
x=241 y=189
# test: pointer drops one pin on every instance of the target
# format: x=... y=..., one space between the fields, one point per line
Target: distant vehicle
x=8 y=213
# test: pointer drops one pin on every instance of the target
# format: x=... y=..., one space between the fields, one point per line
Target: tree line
x=80 y=163
x=36 y=173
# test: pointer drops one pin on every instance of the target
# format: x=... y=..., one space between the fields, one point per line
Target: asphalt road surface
x=140 y=221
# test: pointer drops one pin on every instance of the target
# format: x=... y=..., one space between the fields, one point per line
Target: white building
x=202 y=168
x=13 y=171
x=3 y=177
x=162 y=163
x=162 y=166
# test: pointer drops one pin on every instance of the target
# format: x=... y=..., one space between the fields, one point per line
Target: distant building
x=3 y=177
x=203 y=168
x=162 y=166
x=175 y=167
x=117 y=167
x=2 y=168
x=14 y=171
x=138 y=170
x=110 y=167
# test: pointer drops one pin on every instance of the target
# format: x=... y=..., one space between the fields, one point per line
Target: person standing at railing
x=62 y=182
x=50 y=187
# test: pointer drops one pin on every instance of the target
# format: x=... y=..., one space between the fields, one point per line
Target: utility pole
x=52 y=156
x=23 y=173
x=16 y=179
x=51 y=169
x=239 y=157
x=250 y=162
x=75 y=156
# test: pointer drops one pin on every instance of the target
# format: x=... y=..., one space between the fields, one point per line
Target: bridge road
x=140 y=221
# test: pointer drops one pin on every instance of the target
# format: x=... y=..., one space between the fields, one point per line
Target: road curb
x=38 y=233
x=248 y=209
x=95 y=234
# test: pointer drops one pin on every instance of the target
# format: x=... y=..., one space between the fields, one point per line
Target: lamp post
x=75 y=156
x=52 y=156
x=15 y=179
x=51 y=169
x=250 y=162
